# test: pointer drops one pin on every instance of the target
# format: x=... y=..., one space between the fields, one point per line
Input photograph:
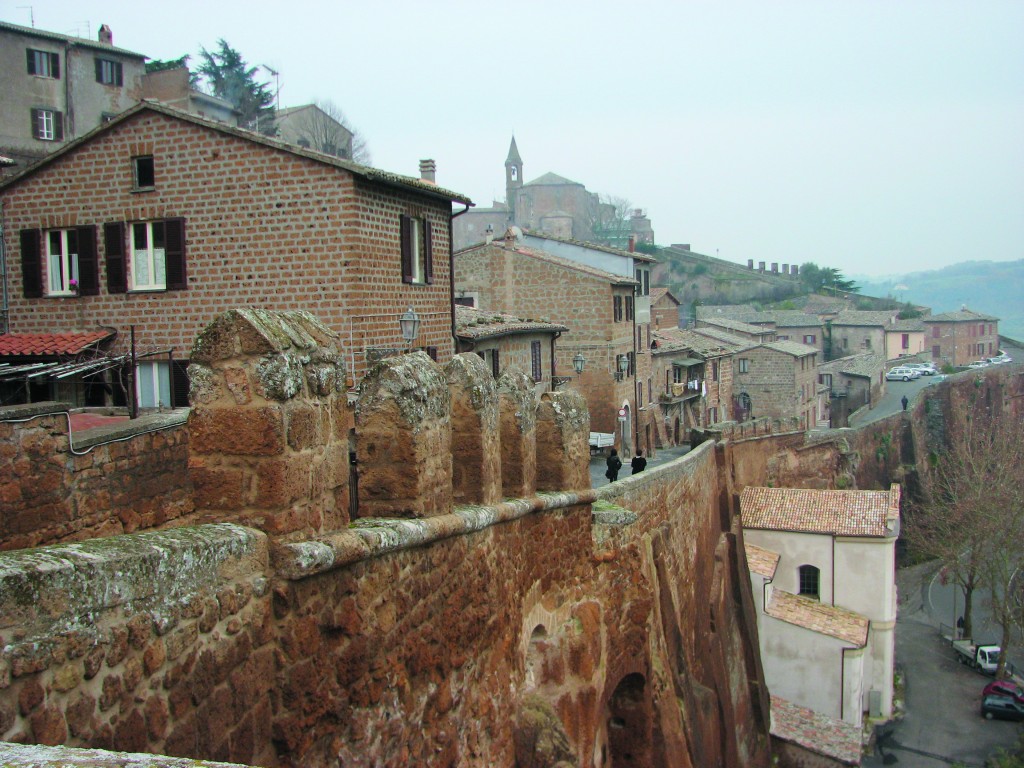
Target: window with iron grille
x=810 y=581
x=535 y=362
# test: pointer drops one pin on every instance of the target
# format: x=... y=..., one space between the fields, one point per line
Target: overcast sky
x=878 y=137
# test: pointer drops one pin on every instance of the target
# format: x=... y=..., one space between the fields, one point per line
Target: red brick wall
x=50 y=495
x=263 y=227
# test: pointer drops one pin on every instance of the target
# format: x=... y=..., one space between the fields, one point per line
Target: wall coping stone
x=90 y=438
x=371 y=537
x=37 y=756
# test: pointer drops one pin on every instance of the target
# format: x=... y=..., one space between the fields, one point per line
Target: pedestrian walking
x=614 y=465
x=639 y=463
x=905 y=402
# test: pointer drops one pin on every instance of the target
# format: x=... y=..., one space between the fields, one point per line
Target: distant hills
x=995 y=287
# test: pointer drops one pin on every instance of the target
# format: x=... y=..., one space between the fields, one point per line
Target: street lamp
x=409 y=322
x=578 y=361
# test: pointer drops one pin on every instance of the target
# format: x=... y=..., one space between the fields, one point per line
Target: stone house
x=599 y=309
x=904 y=338
x=792 y=325
x=173 y=88
x=822 y=568
x=851 y=383
x=664 y=309
x=757 y=334
x=159 y=220
x=856 y=331
x=58 y=87
x=694 y=375
x=778 y=380
x=504 y=340
x=959 y=337
x=312 y=128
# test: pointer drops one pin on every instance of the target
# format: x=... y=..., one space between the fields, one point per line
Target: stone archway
x=626 y=430
x=629 y=723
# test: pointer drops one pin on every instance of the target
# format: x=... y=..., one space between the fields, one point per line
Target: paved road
x=890 y=402
x=598 y=466
x=942 y=725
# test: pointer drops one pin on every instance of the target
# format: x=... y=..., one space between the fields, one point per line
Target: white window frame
x=153 y=384
x=61 y=263
x=149 y=261
x=45 y=127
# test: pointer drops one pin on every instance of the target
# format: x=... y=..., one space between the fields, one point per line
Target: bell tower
x=513 y=179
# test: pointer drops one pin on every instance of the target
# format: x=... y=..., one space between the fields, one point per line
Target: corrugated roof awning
x=687 y=362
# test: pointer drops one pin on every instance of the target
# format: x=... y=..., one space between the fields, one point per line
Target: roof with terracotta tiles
x=729 y=340
x=914 y=324
x=83 y=42
x=48 y=344
x=840 y=623
x=962 y=316
x=671 y=340
x=815 y=732
x=865 y=318
x=794 y=348
x=761 y=561
x=866 y=364
x=471 y=323
x=839 y=513
x=659 y=292
x=736 y=325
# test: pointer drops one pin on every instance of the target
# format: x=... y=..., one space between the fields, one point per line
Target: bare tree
x=610 y=220
x=327 y=129
x=971 y=516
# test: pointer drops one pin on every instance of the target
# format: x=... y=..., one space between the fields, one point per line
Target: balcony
x=683 y=390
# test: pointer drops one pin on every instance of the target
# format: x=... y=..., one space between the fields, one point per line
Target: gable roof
x=839 y=513
x=81 y=42
x=737 y=325
x=737 y=343
x=816 y=732
x=477 y=324
x=868 y=318
x=557 y=261
x=635 y=255
x=49 y=344
x=671 y=340
x=794 y=348
x=819 y=617
x=788 y=318
x=513 y=154
x=659 y=292
x=866 y=365
x=550 y=179
x=961 y=316
x=370 y=174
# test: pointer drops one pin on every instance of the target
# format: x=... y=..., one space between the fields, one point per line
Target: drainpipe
x=637 y=396
x=4 y=299
x=553 y=339
x=451 y=271
x=69 y=109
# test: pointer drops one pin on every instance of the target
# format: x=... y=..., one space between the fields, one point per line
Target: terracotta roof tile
x=962 y=316
x=48 y=344
x=816 y=732
x=824 y=619
x=865 y=364
x=761 y=561
x=840 y=513
x=737 y=325
x=672 y=340
x=471 y=323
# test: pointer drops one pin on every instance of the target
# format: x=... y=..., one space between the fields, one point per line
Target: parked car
x=979 y=364
x=927 y=369
x=1002 y=708
x=1004 y=688
x=1001 y=358
x=902 y=372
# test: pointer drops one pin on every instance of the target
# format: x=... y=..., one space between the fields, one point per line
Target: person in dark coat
x=905 y=402
x=639 y=463
x=614 y=465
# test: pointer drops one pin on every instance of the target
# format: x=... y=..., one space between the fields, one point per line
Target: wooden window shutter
x=428 y=253
x=31 y=61
x=88 y=266
x=113 y=245
x=58 y=126
x=54 y=65
x=179 y=384
x=35 y=123
x=405 y=225
x=99 y=70
x=431 y=353
x=176 y=276
x=118 y=74
x=495 y=363
x=31 y=264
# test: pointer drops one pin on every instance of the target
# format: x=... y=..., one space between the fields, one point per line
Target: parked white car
x=979 y=364
x=902 y=372
x=927 y=369
x=1001 y=358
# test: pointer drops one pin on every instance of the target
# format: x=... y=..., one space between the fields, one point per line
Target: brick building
x=598 y=308
x=858 y=331
x=160 y=220
x=850 y=383
x=506 y=340
x=664 y=309
x=957 y=338
x=778 y=380
x=58 y=87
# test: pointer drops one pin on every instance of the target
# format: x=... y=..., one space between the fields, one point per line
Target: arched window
x=810 y=581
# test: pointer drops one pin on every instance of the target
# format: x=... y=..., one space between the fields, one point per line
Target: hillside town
x=310 y=462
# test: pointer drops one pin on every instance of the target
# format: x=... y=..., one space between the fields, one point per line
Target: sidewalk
x=663 y=456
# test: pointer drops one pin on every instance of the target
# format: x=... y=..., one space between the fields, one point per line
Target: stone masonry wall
x=54 y=493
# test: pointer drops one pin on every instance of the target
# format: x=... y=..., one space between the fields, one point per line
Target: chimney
x=105 y=35
x=632 y=243
x=490 y=234
x=428 y=171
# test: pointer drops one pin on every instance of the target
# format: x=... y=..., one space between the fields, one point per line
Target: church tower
x=513 y=179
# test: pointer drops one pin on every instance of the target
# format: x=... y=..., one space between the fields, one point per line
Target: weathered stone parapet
x=268 y=448
x=563 y=441
x=35 y=756
x=367 y=539
x=518 y=424
x=404 y=439
x=476 y=440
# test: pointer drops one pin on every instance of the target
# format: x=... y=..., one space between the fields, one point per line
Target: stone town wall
x=109 y=481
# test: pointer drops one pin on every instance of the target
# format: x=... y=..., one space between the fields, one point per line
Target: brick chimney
x=428 y=171
x=632 y=243
x=105 y=35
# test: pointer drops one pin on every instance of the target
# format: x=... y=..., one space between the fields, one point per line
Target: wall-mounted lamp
x=578 y=362
x=623 y=363
x=409 y=322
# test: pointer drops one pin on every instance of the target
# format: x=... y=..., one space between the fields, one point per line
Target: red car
x=1004 y=688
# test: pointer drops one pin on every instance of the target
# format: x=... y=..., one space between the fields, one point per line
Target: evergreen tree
x=159 y=65
x=227 y=76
